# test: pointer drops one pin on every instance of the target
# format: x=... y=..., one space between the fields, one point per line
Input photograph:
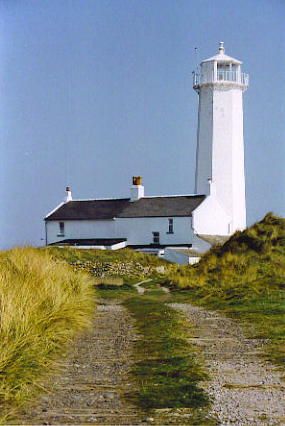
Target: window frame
x=156 y=237
x=61 y=232
x=170 y=226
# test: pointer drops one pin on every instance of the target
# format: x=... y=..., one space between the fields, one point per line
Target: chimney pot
x=212 y=187
x=68 y=195
x=137 y=180
x=221 y=47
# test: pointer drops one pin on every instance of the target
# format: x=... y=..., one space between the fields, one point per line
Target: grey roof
x=162 y=206
x=124 y=208
x=89 y=209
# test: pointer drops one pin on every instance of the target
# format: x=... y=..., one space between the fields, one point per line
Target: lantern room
x=221 y=69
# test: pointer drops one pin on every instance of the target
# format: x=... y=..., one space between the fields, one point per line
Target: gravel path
x=95 y=377
x=245 y=390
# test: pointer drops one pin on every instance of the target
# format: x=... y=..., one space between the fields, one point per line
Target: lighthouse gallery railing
x=220 y=76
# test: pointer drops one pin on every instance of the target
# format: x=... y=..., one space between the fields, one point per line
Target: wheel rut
x=245 y=390
x=91 y=387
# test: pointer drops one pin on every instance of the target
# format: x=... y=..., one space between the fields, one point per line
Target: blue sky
x=95 y=91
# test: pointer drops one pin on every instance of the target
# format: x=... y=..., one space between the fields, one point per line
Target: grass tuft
x=43 y=305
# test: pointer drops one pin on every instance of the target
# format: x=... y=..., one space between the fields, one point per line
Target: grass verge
x=72 y=254
x=261 y=317
x=43 y=305
x=168 y=371
x=110 y=291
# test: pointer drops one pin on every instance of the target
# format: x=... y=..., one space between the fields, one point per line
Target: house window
x=170 y=226
x=155 y=236
x=61 y=229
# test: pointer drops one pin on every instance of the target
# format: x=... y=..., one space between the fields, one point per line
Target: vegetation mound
x=245 y=277
x=43 y=305
x=250 y=262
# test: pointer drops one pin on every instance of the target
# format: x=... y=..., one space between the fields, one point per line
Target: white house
x=213 y=213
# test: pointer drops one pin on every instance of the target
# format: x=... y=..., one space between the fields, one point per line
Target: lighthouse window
x=227 y=72
x=170 y=226
x=61 y=229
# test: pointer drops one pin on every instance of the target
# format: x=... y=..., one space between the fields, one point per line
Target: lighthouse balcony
x=220 y=76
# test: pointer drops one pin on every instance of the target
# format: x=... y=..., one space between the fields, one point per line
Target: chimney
x=137 y=189
x=68 y=195
x=212 y=187
x=221 y=48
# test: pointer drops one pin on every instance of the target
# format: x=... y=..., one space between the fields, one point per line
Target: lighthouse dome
x=222 y=57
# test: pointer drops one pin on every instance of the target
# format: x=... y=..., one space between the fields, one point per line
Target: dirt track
x=245 y=390
x=91 y=388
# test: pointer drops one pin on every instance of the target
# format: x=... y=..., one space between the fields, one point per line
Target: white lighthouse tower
x=220 y=146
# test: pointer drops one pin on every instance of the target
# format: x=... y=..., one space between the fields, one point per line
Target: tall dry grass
x=246 y=278
x=251 y=262
x=43 y=305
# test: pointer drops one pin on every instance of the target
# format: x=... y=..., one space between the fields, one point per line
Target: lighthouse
x=192 y=221
x=220 y=84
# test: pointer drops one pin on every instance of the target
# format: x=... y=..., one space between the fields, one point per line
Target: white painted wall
x=209 y=218
x=138 y=231
x=117 y=246
x=220 y=149
x=228 y=154
x=81 y=229
x=204 y=141
x=239 y=194
x=137 y=192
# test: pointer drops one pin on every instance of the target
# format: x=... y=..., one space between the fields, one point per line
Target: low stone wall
x=101 y=269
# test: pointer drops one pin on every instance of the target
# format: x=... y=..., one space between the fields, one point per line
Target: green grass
x=245 y=278
x=110 y=291
x=71 y=255
x=168 y=370
x=43 y=306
